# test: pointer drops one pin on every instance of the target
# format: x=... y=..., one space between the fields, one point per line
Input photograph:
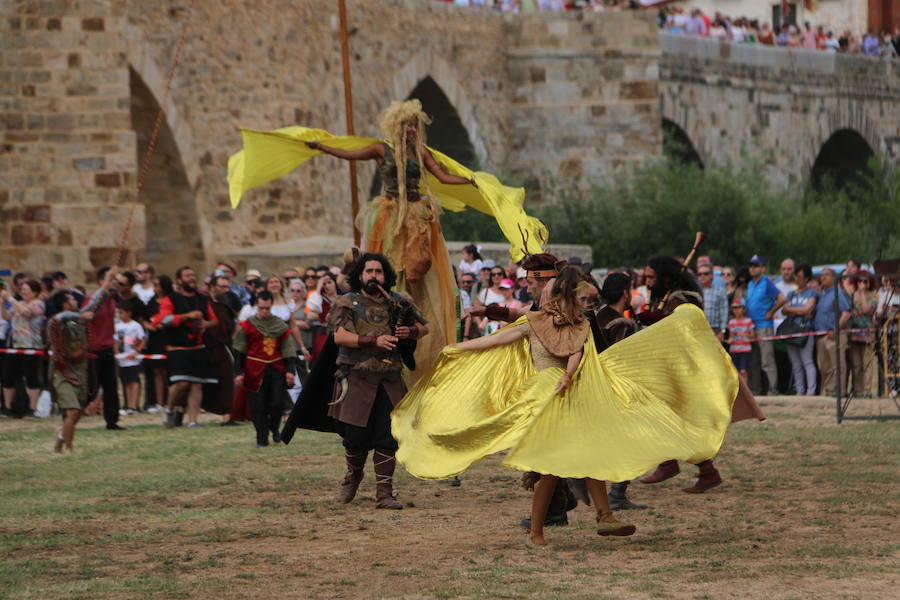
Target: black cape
x=311 y=408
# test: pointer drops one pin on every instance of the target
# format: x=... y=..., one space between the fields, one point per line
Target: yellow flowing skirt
x=663 y=393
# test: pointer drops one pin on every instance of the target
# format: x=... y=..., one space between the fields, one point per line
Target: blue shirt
x=797 y=298
x=761 y=298
x=824 y=319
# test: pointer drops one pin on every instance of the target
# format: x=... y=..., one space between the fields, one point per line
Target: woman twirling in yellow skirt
x=539 y=389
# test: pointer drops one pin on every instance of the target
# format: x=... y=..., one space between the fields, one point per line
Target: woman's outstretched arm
x=501 y=338
x=373 y=152
x=443 y=176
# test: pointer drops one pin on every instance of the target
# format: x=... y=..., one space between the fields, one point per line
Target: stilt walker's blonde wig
x=392 y=123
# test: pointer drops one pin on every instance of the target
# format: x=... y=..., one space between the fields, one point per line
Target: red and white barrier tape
x=770 y=338
x=47 y=353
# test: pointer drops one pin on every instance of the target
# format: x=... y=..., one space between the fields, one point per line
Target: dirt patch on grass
x=265 y=523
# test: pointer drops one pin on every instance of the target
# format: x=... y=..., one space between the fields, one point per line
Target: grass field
x=809 y=509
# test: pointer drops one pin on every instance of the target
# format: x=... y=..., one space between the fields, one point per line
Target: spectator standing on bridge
x=763 y=301
x=808 y=38
x=831 y=44
x=27 y=319
x=766 y=35
x=871 y=45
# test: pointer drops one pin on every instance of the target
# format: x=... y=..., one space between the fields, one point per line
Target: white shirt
x=282 y=311
x=473 y=268
x=784 y=288
x=488 y=296
x=146 y=295
x=128 y=334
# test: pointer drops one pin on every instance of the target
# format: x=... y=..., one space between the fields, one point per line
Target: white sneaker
x=155 y=408
x=193 y=424
x=123 y=412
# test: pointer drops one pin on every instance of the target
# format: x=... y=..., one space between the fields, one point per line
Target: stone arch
x=840 y=158
x=427 y=64
x=172 y=227
x=141 y=61
x=446 y=133
x=677 y=144
x=678 y=115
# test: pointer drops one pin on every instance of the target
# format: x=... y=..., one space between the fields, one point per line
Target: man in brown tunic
x=372 y=326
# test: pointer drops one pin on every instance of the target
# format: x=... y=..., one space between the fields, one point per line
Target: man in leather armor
x=373 y=329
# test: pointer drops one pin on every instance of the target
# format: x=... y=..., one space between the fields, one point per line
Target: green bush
x=658 y=208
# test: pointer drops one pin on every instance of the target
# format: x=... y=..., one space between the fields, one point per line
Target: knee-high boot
x=356 y=462
x=664 y=471
x=384 y=463
x=618 y=499
x=607 y=524
x=707 y=478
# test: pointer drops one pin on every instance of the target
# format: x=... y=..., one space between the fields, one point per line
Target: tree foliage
x=658 y=208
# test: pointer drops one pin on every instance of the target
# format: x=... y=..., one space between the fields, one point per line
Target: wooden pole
x=348 y=111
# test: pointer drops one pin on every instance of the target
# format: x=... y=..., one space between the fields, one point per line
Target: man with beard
x=370 y=327
x=670 y=286
x=186 y=314
x=265 y=364
x=224 y=304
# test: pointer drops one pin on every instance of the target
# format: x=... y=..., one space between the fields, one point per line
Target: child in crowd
x=740 y=334
x=128 y=343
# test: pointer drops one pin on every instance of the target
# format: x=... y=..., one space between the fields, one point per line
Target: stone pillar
x=584 y=96
x=67 y=151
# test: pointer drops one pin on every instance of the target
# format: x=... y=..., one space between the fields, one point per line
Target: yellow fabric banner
x=268 y=155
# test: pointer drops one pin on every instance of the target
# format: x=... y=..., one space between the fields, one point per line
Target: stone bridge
x=548 y=99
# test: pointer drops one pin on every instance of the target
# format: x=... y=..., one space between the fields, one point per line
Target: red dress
x=321 y=332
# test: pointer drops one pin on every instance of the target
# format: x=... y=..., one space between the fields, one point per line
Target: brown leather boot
x=664 y=471
x=385 y=462
x=707 y=478
x=356 y=462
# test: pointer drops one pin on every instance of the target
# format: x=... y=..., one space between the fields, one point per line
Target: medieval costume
x=265 y=354
x=67 y=334
x=663 y=392
x=356 y=381
x=217 y=398
x=673 y=287
x=418 y=182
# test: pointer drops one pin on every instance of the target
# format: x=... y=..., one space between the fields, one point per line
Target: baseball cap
x=252 y=274
x=507 y=283
x=757 y=260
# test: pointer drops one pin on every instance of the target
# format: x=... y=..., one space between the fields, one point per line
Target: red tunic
x=262 y=351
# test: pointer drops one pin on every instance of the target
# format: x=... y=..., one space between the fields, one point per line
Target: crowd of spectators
x=741 y=30
x=130 y=335
x=802 y=304
x=526 y=6
x=675 y=18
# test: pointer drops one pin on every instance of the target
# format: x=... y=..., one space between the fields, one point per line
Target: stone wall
x=542 y=97
x=584 y=96
x=67 y=154
x=736 y=101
